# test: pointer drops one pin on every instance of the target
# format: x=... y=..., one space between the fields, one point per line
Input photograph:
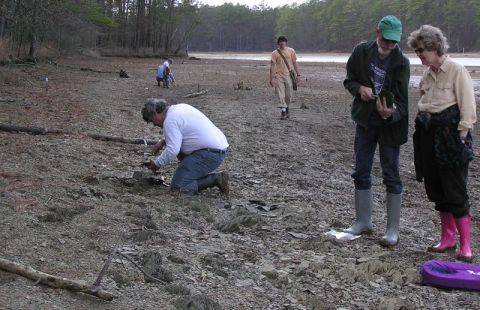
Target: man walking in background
x=377 y=76
x=284 y=74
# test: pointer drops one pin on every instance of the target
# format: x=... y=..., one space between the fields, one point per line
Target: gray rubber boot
x=363 y=213
x=394 y=203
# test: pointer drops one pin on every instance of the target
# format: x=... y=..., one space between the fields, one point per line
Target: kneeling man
x=192 y=138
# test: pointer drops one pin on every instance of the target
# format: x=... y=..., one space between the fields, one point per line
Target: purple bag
x=451 y=275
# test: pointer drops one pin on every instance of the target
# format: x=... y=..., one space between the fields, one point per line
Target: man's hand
x=463 y=134
x=152 y=166
x=365 y=93
x=272 y=84
x=158 y=147
x=382 y=108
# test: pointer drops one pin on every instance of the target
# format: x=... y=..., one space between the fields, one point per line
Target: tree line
x=153 y=27
x=332 y=25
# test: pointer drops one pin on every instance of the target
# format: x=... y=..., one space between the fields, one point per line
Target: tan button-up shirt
x=451 y=85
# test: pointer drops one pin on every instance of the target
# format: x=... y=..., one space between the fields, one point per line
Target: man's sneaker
x=284 y=115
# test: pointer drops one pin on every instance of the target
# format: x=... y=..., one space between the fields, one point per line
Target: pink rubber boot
x=463 y=226
x=447 y=240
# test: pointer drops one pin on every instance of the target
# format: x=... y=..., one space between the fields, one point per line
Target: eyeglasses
x=389 y=41
x=419 y=50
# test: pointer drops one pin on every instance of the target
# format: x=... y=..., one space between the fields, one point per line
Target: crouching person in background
x=164 y=75
x=192 y=138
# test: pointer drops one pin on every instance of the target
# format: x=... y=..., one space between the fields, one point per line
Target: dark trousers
x=447 y=188
x=366 y=141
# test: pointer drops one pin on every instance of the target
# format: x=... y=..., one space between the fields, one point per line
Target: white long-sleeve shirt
x=186 y=130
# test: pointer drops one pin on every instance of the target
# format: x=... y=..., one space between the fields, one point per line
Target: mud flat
x=66 y=199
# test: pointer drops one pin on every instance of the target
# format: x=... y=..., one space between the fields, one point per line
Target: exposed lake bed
x=65 y=199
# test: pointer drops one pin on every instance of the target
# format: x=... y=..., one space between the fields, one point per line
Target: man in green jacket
x=378 y=75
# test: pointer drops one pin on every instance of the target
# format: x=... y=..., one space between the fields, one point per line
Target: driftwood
x=196 y=94
x=87 y=69
x=96 y=71
x=52 y=281
x=6 y=100
x=46 y=131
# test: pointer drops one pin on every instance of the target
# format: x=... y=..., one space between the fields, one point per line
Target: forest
x=32 y=28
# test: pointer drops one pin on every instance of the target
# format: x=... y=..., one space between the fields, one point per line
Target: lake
x=468 y=61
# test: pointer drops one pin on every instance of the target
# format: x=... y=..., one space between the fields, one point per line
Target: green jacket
x=394 y=130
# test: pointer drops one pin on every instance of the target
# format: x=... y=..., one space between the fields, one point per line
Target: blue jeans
x=366 y=141
x=193 y=167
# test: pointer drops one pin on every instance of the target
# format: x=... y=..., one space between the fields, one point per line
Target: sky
x=251 y=3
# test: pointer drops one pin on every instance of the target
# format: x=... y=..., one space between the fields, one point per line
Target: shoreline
x=468 y=60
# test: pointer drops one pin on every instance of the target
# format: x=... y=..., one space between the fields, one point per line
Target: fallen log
x=121 y=139
x=7 y=100
x=196 y=94
x=46 y=131
x=51 y=280
x=32 y=130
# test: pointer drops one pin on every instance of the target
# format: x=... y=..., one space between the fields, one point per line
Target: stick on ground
x=51 y=280
x=199 y=93
x=46 y=131
x=98 y=281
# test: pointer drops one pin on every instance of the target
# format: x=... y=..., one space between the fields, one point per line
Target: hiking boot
x=219 y=179
x=222 y=182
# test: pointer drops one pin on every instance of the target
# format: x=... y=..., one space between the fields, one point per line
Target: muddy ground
x=66 y=199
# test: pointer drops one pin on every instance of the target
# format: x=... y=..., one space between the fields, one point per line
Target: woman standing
x=442 y=138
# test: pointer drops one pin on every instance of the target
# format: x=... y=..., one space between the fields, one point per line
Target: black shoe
x=283 y=115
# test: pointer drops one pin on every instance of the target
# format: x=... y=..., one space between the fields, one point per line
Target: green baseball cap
x=391 y=28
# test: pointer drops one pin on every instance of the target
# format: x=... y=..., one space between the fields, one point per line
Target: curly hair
x=431 y=37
